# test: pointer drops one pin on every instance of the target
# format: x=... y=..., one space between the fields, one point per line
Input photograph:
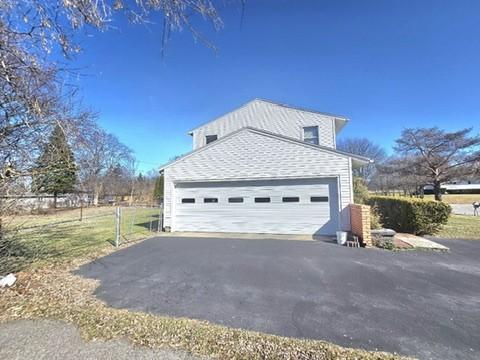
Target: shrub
x=360 y=191
x=383 y=243
x=411 y=215
x=375 y=221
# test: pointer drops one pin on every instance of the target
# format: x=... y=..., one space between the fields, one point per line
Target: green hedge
x=411 y=215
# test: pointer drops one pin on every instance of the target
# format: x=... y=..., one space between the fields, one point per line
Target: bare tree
x=366 y=148
x=33 y=90
x=102 y=160
x=49 y=24
x=435 y=156
x=32 y=85
x=389 y=180
x=145 y=186
x=35 y=94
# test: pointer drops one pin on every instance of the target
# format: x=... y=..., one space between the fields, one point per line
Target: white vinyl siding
x=262 y=210
x=270 y=117
x=250 y=155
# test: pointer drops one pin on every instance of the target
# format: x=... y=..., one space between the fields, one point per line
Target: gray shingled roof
x=360 y=159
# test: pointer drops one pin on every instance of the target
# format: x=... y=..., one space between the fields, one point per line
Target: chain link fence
x=67 y=233
x=136 y=222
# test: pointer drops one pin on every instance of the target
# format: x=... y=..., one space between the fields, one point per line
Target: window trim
x=262 y=200
x=210 y=200
x=304 y=139
x=210 y=136
x=233 y=200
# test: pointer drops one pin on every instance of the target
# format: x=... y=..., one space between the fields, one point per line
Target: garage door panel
x=276 y=216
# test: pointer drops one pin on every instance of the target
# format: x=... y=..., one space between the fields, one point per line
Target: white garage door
x=275 y=207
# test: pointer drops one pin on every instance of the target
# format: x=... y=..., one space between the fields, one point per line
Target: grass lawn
x=457 y=198
x=55 y=237
x=461 y=227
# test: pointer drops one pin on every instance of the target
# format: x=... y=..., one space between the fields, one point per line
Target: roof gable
x=340 y=120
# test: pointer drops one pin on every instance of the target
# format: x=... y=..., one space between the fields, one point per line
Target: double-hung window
x=310 y=134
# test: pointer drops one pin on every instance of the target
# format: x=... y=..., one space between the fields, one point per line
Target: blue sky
x=386 y=64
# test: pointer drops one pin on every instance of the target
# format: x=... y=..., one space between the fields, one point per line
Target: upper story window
x=210 y=138
x=310 y=134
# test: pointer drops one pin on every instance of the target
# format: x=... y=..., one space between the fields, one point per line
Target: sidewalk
x=48 y=339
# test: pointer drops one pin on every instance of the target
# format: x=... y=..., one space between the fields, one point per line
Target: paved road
x=424 y=304
x=50 y=340
x=462 y=209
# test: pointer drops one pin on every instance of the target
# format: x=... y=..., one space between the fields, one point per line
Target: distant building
x=457 y=187
x=33 y=202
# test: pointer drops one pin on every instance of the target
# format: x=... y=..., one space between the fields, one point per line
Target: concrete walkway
x=246 y=236
x=420 y=243
x=48 y=339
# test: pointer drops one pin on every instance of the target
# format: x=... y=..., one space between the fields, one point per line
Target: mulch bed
x=399 y=244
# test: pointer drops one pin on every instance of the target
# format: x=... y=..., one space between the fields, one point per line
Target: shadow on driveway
x=423 y=304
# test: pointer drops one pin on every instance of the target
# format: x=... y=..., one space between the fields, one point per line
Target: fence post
x=81 y=210
x=118 y=217
x=160 y=219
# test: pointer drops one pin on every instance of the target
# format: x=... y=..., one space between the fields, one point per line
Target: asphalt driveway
x=424 y=304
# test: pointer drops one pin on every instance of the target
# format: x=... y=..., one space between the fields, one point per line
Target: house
x=262 y=168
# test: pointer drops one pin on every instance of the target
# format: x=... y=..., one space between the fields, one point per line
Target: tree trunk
x=1 y=221
x=421 y=192
x=97 y=189
x=95 y=197
x=54 y=200
x=437 y=190
x=131 y=194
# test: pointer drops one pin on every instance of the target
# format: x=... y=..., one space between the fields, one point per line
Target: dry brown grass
x=54 y=292
x=457 y=198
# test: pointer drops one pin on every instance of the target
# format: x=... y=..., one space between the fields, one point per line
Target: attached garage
x=252 y=181
x=302 y=206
